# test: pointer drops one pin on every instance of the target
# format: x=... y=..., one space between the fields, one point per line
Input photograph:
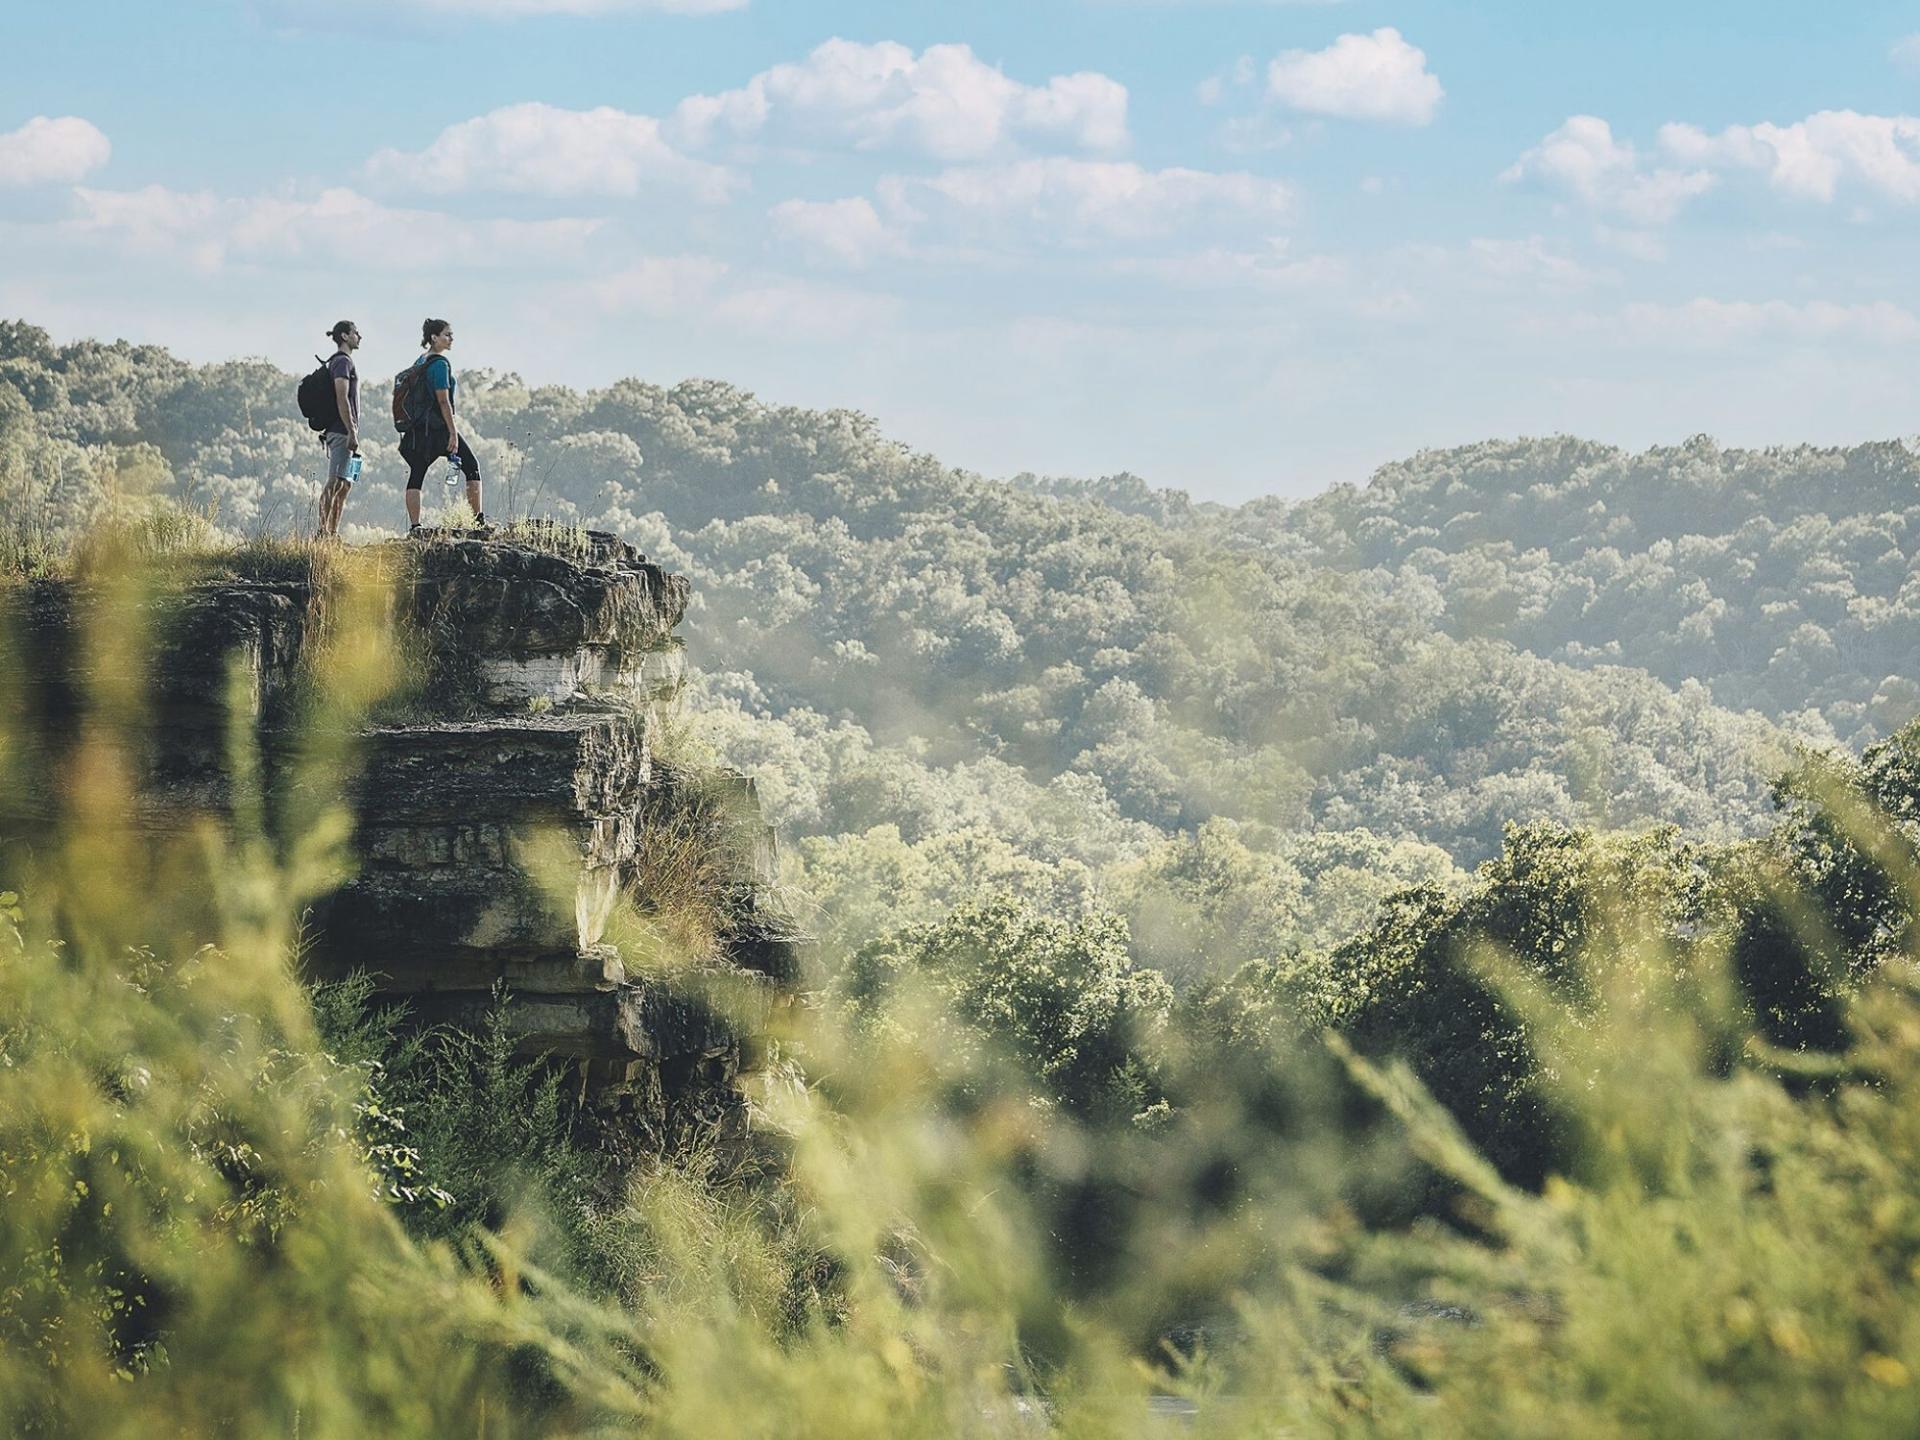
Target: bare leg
x=473 y=496
x=333 y=500
x=413 y=507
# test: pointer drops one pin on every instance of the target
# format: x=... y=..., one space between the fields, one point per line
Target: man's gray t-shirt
x=341 y=367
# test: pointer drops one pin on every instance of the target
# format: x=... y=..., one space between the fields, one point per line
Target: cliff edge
x=523 y=827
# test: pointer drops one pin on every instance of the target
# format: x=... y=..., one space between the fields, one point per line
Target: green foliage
x=908 y=642
x=1433 y=982
x=1780 y=579
x=1115 y=803
x=201 y=1232
x=1063 y=1000
x=191 y=1240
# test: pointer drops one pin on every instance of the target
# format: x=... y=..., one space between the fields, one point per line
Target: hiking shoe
x=413 y=532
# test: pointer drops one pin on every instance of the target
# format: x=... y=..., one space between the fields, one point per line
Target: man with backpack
x=337 y=409
x=423 y=412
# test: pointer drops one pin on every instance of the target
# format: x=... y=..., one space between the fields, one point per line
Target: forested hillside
x=1079 y=688
x=1784 y=579
x=1160 y=1044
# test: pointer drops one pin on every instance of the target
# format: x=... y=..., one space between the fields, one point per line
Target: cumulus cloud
x=1090 y=199
x=1647 y=245
x=660 y=285
x=944 y=102
x=1813 y=157
x=846 y=232
x=539 y=149
x=338 y=225
x=1583 y=159
x=1531 y=260
x=1708 y=323
x=696 y=287
x=1358 y=77
x=802 y=310
x=1272 y=270
x=47 y=151
x=1213 y=89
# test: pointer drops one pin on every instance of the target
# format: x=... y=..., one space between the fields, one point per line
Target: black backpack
x=317 y=400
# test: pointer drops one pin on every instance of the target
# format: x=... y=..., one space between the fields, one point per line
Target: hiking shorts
x=338 y=454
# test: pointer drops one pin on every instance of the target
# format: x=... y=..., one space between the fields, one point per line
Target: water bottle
x=353 y=468
x=456 y=472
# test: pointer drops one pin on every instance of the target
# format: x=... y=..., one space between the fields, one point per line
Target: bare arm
x=347 y=426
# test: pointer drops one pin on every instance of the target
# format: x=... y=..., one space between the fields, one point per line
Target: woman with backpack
x=432 y=431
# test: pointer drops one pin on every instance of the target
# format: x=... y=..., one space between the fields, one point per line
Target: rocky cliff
x=521 y=826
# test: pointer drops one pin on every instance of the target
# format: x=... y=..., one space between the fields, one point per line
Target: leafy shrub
x=1063 y=1000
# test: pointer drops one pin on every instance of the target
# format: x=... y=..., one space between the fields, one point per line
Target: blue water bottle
x=353 y=468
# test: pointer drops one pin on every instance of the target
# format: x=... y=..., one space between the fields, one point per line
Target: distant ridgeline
x=517 y=828
x=1076 y=673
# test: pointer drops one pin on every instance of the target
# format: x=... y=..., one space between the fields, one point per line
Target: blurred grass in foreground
x=201 y=1232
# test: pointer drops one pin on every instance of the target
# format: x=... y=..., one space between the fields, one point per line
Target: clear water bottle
x=456 y=472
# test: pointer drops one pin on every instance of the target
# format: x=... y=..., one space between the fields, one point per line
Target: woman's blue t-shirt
x=439 y=375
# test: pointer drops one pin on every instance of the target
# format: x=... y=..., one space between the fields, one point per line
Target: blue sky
x=1234 y=246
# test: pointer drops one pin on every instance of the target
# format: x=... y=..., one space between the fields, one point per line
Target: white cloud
x=1530 y=260
x=1707 y=323
x=47 y=151
x=1644 y=245
x=848 y=232
x=1255 y=134
x=660 y=285
x=1358 y=77
x=1583 y=159
x=1213 y=89
x=336 y=226
x=694 y=287
x=540 y=149
x=1082 y=199
x=944 y=102
x=1811 y=158
x=798 y=309
x=1268 y=271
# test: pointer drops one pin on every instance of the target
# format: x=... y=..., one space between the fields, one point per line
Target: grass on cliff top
x=162 y=539
x=167 y=544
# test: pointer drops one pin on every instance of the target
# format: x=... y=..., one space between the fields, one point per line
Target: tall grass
x=200 y=1232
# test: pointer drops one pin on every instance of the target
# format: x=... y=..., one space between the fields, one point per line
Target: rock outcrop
x=520 y=829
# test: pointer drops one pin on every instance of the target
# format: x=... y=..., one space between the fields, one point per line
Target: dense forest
x=1066 y=686
x=1356 y=964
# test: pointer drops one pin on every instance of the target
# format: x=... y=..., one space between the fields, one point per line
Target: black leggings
x=432 y=446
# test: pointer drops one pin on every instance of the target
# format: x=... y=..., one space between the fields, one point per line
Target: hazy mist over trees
x=1090 y=688
x=1403 y=939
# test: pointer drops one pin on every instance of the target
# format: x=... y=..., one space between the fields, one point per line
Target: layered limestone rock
x=517 y=830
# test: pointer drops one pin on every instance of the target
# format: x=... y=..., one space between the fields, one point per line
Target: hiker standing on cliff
x=342 y=441
x=432 y=430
